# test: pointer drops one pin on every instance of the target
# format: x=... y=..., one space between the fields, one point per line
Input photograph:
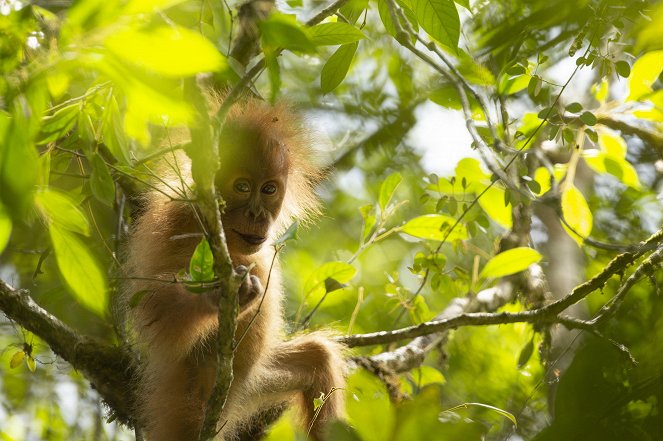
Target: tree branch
x=108 y=368
x=204 y=165
x=546 y=314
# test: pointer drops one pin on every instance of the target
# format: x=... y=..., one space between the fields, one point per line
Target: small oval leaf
x=526 y=353
x=623 y=68
x=588 y=118
x=32 y=364
x=201 y=265
x=16 y=359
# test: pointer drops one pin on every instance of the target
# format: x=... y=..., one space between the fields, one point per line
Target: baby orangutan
x=266 y=179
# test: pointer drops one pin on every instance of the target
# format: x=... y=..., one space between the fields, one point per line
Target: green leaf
x=112 y=134
x=319 y=401
x=469 y=171
x=368 y=216
x=171 y=51
x=79 y=270
x=18 y=153
x=353 y=9
x=623 y=68
x=510 y=262
x=201 y=265
x=434 y=227
x=509 y=85
x=588 y=118
x=62 y=211
x=274 y=73
x=534 y=86
x=446 y=96
x=492 y=203
x=516 y=69
x=341 y=272
x=101 y=181
x=577 y=214
x=5 y=227
x=337 y=67
x=388 y=188
x=603 y=162
x=526 y=353
x=56 y=126
x=284 y=31
x=289 y=234
x=574 y=107
x=612 y=143
x=440 y=19
x=542 y=177
x=326 y=34
x=385 y=16
x=17 y=359
x=426 y=375
x=644 y=73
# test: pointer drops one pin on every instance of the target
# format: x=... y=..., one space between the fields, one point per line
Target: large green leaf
x=336 y=67
x=341 y=272
x=440 y=19
x=577 y=214
x=171 y=51
x=434 y=227
x=334 y=33
x=79 y=270
x=510 y=262
x=62 y=211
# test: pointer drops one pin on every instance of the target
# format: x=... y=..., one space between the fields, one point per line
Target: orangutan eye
x=241 y=186
x=268 y=189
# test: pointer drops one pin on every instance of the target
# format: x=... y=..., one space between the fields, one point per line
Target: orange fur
x=173 y=328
